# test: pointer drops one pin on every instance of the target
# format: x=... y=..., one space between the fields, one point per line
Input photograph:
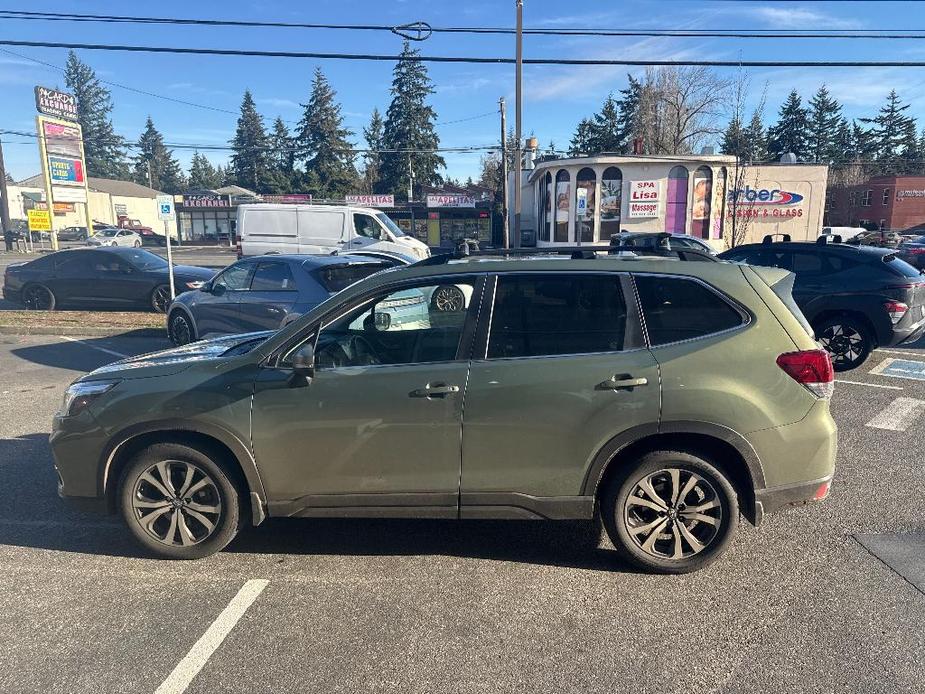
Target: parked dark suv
x=856 y=298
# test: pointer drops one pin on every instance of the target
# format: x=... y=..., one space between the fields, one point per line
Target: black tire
x=38 y=297
x=160 y=298
x=448 y=298
x=170 y=527
x=846 y=339
x=674 y=550
x=137 y=244
x=180 y=328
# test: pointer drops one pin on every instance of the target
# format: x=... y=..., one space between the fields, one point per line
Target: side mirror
x=217 y=289
x=303 y=366
x=206 y=287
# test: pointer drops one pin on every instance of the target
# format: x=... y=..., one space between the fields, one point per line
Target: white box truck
x=321 y=229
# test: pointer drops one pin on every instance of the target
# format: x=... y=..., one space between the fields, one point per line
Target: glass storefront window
x=585 y=183
x=546 y=207
x=611 y=201
x=563 y=202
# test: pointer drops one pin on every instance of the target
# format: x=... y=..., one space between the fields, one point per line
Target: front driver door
x=377 y=431
x=217 y=311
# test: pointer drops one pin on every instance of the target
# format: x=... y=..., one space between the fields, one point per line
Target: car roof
x=317 y=260
x=844 y=248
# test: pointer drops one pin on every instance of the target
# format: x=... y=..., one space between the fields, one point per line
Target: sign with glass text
x=371 y=200
x=450 y=200
x=51 y=102
x=644 y=198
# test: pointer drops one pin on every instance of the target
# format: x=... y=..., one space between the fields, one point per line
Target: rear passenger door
x=560 y=370
x=272 y=294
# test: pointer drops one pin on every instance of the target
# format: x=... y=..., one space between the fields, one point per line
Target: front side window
x=273 y=277
x=678 y=309
x=545 y=315
x=366 y=226
x=234 y=278
x=414 y=325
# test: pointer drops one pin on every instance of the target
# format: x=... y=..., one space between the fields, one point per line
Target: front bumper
x=76 y=446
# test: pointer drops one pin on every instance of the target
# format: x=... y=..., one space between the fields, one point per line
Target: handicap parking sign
x=165 y=207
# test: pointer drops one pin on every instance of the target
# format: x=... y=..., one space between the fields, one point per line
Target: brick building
x=882 y=202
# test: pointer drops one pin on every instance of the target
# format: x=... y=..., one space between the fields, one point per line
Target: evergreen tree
x=103 y=149
x=791 y=132
x=321 y=143
x=250 y=163
x=582 y=141
x=155 y=165
x=607 y=134
x=409 y=126
x=281 y=159
x=910 y=152
x=372 y=161
x=629 y=116
x=892 y=136
x=734 y=139
x=202 y=175
x=756 y=139
x=824 y=119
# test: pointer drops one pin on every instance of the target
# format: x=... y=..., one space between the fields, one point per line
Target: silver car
x=115 y=237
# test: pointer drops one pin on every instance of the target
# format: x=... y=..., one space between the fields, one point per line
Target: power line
x=463 y=59
x=700 y=33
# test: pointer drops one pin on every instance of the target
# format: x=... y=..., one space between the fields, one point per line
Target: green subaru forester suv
x=667 y=396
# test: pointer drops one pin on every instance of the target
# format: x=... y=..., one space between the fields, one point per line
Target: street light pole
x=505 y=231
x=518 y=114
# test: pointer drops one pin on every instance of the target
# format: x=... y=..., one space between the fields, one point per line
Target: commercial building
x=579 y=200
x=882 y=202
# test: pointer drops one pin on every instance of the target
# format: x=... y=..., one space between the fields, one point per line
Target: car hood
x=172 y=361
x=193 y=272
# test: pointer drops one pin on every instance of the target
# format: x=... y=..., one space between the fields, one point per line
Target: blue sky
x=555 y=97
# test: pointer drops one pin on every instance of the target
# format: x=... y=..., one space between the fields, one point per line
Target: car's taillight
x=811 y=368
x=896 y=309
x=914 y=251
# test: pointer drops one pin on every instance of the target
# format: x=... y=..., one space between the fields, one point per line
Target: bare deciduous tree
x=744 y=172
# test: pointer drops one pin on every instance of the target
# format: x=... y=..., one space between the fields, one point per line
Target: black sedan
x=913 y=251
x=126 y=278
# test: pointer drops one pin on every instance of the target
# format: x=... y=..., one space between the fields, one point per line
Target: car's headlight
x=79 y=395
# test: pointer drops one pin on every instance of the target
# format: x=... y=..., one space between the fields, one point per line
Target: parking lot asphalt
x=425 y=606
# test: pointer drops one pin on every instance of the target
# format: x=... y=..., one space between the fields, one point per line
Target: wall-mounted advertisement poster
x=563 y=198
x=700 y=208
x=61 y=138
x=644 y=197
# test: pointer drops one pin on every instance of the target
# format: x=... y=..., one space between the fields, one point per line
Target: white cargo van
x=846 y=233
x=320 y=229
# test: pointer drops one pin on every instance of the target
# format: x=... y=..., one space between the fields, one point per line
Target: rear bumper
x=776 y=498
x=907 y=334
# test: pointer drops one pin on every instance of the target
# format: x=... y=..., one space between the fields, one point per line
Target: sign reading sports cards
x=66 y=171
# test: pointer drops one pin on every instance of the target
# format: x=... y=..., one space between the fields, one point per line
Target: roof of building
x=234 y=190
x=127 y=189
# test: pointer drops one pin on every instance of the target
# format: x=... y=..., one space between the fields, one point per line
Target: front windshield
x=389 y=224
x=144 y=260
x=107 y=232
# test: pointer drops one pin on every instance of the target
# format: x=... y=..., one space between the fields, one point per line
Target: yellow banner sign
x=39 y=220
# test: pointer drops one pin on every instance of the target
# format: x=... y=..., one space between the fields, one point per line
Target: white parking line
x=898 y=415
x=921 y=355
x=187 y=669
x=92 y=346
x=869 y=385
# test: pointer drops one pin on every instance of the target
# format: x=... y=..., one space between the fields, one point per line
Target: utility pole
x=518 y=113
x=150 y=185
x=5 y=202
x=504 y=225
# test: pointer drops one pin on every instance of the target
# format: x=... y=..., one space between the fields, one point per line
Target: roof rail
x=828 y=238
x=588 y=252
x=769 y=238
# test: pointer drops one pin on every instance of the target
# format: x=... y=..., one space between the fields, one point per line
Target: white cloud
x=801 y=18
x=278 y=103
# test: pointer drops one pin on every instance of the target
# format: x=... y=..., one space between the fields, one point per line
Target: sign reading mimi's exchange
x=54 y=103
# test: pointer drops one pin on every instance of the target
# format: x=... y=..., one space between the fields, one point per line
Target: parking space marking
x=869 y=385
x=187 y=669
x=898 y=415
x=897 y=351
x=92 y=346
x=900 y=368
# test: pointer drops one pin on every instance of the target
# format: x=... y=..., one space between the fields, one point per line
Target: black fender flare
x=239 y=449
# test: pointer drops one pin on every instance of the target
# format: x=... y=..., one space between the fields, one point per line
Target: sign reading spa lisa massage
x=644 y=198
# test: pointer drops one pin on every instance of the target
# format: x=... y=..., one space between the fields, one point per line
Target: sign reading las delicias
x=371 y=200
x=644 y=197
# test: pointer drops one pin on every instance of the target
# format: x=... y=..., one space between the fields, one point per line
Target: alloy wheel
x=177 y=503
x=180 y=330
x=673 y=513
x=843 y=342
x=448 y=299
x=38 y=298
x=160 y=299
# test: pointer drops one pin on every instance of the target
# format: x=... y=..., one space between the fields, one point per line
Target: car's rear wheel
x=846 y=339
x=448 y=299
x=670 y=512
x=178 y=502
x=180 y=329
x=160 y=298
x=38 y=297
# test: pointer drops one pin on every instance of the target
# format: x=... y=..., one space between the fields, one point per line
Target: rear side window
x=537 y=315
x=808 y=264
x=338 y=277
x=681 y=309
x=272 y=277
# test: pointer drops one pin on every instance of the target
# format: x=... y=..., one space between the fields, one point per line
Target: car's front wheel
x=160 y=298
x=180 y=329
x=670 y=512
x=178 y=502
x=847 y=340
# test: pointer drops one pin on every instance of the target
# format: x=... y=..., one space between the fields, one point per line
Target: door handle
x=433 y=390
x=621 y=382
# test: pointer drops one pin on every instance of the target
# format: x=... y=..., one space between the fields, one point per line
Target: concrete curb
x=78 y=331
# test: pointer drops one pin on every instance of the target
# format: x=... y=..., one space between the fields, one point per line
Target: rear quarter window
x=677 y=308
x=338 y=277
